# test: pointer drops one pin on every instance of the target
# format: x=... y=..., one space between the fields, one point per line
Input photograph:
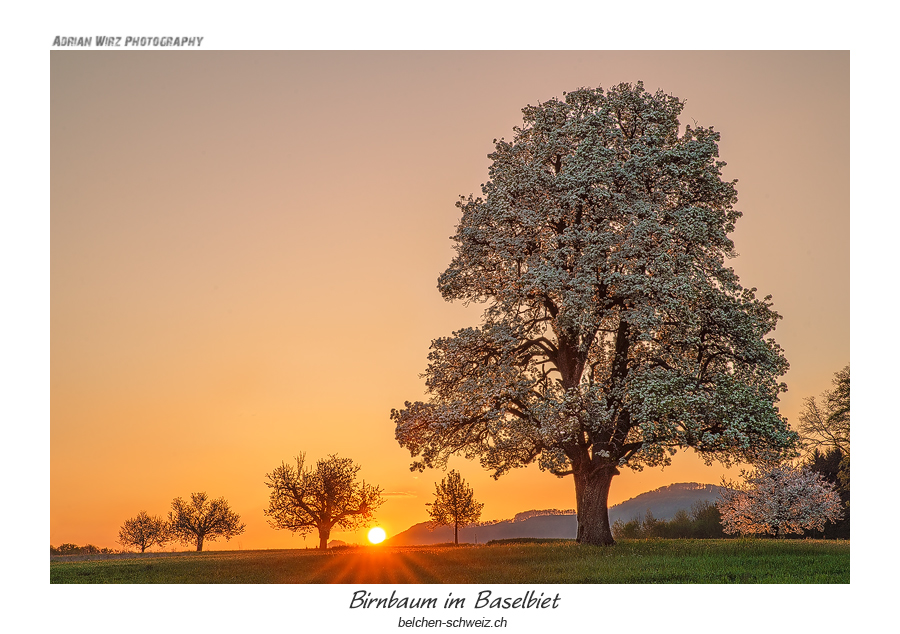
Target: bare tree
x=143 y=531
x=323 y=497
x=454 y=504
x=203 y=519
x=825 y=423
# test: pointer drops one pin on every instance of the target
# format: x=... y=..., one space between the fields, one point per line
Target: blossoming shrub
x=778 y=500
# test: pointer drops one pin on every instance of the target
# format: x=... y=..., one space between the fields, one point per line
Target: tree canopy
x=203 y=519
x=778 y=500
x=323 y=497
x=454 y=504
x=143 y=531
x=614 y=333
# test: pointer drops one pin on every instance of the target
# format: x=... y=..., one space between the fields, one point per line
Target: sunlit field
x=558 y=561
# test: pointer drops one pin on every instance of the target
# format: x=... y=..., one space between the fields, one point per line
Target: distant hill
x=664 y=502
x=551 y=525
x=555 y=523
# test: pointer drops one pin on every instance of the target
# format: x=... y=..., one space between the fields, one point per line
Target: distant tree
x=323 y=497
x=454 y=504
x=650 y=527
x=702 y=521
x=74 y=549
x=706 y=520
x=65 y=549
x=143 y=531
x=778 y=500
x=203 y=519
x=627 y=530
x=825 y=423
x=680 y=526
x=614 y=332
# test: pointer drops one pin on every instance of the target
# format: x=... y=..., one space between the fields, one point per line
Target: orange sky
x=245 y=248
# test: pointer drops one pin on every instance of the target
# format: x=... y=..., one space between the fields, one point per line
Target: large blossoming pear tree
x=614 y=334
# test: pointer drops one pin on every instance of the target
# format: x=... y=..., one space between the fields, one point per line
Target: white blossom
x=778 y=500
x=613 y=333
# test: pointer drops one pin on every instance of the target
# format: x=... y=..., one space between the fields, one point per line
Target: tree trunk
x=591 y=496
x=324 y=534
x=199 y=543
x=456 y=533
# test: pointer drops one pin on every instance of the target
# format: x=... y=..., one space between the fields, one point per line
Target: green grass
x=630 y=561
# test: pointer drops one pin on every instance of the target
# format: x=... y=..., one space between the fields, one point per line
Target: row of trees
x=323 y=497
x=778 y=499
x=301 y=499
x=74 y=549
x=703 y=521
x=775 y=498
x=190 y=522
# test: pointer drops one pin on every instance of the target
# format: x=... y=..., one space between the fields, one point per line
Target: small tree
x=651 y=526
x=143 y=531
x=778 y=500
x=325 y=497
x=454 y=504
x=203 y=519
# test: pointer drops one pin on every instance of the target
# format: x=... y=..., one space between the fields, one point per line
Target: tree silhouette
x=143 y=531
x=322 y=498
x=454 y=504
x=614 y=333
x=825 y=423
x=203 y=519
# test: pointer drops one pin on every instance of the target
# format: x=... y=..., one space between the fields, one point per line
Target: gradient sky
x=245 y=248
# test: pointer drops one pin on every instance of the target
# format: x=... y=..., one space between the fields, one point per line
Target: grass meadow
x=560 y=561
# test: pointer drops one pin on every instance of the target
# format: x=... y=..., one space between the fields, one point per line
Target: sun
x=377 y=535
